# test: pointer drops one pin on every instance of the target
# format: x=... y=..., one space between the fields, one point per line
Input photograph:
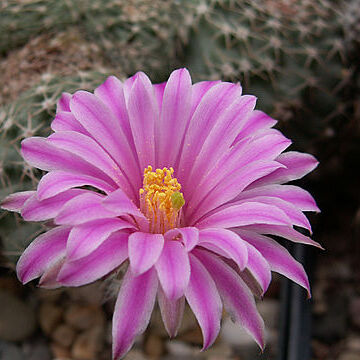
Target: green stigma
x=177 y=200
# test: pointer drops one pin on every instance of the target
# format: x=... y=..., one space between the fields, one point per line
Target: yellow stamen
x=160 y=199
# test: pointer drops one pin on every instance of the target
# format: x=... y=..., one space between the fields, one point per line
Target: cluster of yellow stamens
x=160 y=199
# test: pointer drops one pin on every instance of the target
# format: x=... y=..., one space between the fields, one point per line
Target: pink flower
x=183 y=181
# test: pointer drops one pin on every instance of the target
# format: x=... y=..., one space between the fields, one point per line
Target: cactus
x=291 y=53
x=30 y=115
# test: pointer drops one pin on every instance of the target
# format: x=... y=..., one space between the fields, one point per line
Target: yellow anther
x=161 y=199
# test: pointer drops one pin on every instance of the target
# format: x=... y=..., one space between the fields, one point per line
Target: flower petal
x=238 y=299
x=56 y=182
x=159 y=93
x=175 y=115
x=144 y=251
x=104 y=127
x=48 y=278
x=63 y=103
x=83 y=208
x=66 y=121
x=133 y=309
x=43 y=252
x=225 y=243
x=245 y=214
x=173 y=269
x=278 y=257
x=86 y=238
x=189 y=236
x=143 y=112
x=171 y=312
x=297 y=196
x=297 y=165
x=35 y=210
x=38 y=152
x=107 y=257
x=15 y=201
x=204 y=301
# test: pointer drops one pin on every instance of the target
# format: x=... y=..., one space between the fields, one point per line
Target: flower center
x=161 y=200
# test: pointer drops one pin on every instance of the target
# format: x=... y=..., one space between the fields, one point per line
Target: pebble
x=135 y=355
x=49 y=317
x=193 y=336
x=88 y=344
x=355 y=311
x=349 y=356
x=154 y=346
x=17 y=320
x=179 y=348
x=353 y=343
x=64 y=335
x=83 y=317
x=60 y=352
x=91 y=294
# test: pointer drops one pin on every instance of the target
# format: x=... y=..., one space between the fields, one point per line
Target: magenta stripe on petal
x=43 y=252
x=56 y=182
x=245 y=214
x=144 y=251
x=174 y=117
x=63 y=103
x=237 y=298
x=133 y=310
x=204 y=300
x=36 y=210
x=171 y=312
x=278 y=257
x=173 y=269
x=159 y=93
x=16 y=201
x=143 y=112
x=225 y=243
x=107 y=257
x=83 y=208
x=85 y=238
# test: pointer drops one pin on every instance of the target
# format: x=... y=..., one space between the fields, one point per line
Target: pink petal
x=63 y=103
x=228 y=188
x=173 y=269
x=105 y=128
x=225 y=243
x=66 y=121
x=133 y=309
x=297 y=166
x=87 y=148
x=212 y=105
x=42 y=253
x=175 y=115
x=107 y=257
x=86 y=238
x=15 y=202
x=56 y=182
x=245 y=214
x=286 y=232
x=299 y=197
x=159 y=93
x=111 y=93
x=256 y=122
x=171 y=312
x=221 y=137
x=259 y=268
x=278 y=257
x=35 y=210
x=144 y=251
x=118 y=203
x=238 y=299
x=296 y=216
x=189 y=236
x=48 y=278
x=143 y=112
x=204 y=301
x=83 y=208
x=38 y=152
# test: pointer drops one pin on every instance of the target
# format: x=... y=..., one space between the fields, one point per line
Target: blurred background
x=299 y=57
